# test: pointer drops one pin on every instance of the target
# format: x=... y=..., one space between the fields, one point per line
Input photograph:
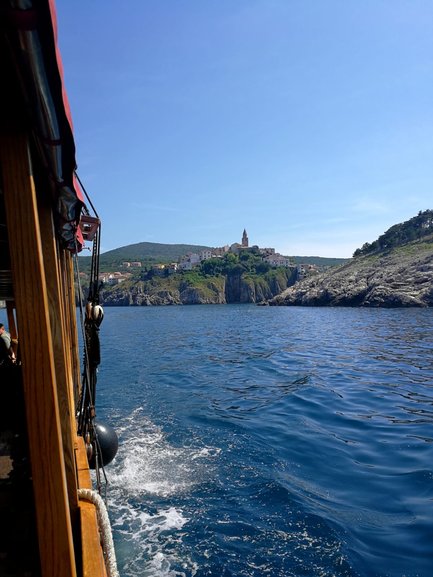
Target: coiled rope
x=105 y=528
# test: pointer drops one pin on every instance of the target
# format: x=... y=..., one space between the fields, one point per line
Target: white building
x=189 y=261
x=205 y=254
x=277 y=260
x=113 y=278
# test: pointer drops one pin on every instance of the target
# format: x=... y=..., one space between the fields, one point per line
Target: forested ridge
x=415 y=228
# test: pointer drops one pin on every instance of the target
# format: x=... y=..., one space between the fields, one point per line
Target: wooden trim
x=93 y=564
x=83 y=473
x=92 y=557
x=70 y=333
x=60 y=339
x=38 y=369
x=71 y=314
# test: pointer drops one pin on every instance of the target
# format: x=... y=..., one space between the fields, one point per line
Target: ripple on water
x=272 y=441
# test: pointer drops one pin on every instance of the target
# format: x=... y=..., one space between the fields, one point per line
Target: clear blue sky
x=307 y=122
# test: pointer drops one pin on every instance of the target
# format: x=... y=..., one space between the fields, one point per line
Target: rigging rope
x=85 y=192
x=91 y=317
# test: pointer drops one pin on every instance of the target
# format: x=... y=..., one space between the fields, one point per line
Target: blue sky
x=307 y=122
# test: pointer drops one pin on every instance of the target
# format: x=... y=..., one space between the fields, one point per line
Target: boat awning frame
x=30 y=27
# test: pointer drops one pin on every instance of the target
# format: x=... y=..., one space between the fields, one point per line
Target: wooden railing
x=92 y=558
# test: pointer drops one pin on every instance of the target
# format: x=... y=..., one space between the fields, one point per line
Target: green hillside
x=145 y=252
x=149 y=253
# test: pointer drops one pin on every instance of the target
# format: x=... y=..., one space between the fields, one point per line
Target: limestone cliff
x=175 y=290
x=401 y=277
x=169 y=293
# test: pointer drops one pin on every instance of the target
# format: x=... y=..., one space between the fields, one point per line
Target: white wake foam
x=148 y=463
x=149 y=469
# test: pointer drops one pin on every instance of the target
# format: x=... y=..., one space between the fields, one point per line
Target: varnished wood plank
x=40 y=388
x=60 y=348
x=92 y=556
x=93 y=563
x=84 y=479
x=69 y=332
x=75 y=352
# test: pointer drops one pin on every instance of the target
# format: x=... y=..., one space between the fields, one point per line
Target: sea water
x=262 y=441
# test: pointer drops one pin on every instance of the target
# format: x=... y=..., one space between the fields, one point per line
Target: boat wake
x=149 y=470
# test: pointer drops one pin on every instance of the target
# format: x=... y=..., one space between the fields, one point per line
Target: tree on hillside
x=399 y=234
x=212 y=266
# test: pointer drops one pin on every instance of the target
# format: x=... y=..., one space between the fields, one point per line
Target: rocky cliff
x=401 y=277
x=170 y=293
x=175 y=290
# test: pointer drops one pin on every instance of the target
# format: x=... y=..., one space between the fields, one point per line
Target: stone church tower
x=245 y=239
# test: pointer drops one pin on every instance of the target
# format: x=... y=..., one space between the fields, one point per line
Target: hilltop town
x=192 y=260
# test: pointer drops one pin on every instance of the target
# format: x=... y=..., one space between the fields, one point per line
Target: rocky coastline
x=235 y=288
x=396 y=270
x=401 y=277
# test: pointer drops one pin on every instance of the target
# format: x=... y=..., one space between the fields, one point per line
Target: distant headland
x=395 y=270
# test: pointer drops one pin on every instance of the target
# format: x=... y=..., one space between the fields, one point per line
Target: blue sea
x=262 y=441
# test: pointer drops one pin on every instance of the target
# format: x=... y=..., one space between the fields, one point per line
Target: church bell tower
x=245 y=239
